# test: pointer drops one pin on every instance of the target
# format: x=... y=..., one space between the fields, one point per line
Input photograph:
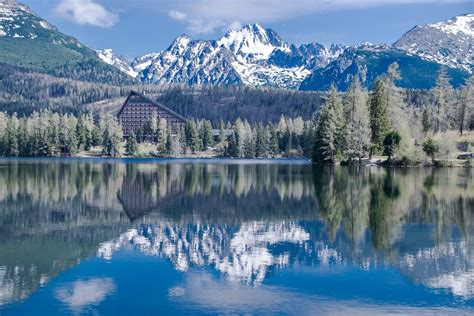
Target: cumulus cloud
x=86 y=12
x=204 y=16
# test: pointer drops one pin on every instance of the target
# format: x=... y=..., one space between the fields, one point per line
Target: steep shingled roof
x=159 y=105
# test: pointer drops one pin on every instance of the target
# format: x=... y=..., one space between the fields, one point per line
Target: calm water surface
x=210 y=237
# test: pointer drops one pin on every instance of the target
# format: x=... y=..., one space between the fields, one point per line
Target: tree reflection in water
x=244 y=220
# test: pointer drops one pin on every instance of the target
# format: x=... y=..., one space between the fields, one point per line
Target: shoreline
x=163 y=160
x=229 y=160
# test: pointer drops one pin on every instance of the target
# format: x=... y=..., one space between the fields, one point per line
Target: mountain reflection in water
x=249 y=223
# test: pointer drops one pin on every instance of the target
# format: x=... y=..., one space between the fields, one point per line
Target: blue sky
x=136 y=27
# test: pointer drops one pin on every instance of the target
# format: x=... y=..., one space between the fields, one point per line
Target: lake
x=139 y=237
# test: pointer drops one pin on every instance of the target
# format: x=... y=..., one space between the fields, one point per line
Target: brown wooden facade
x=138 y=110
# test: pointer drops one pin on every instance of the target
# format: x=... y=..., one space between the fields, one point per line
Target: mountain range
x=253 y=56
x=257 y=56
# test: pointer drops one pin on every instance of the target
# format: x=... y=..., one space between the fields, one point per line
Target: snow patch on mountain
x=460 y=25
x=19 y=21
x=108 y=56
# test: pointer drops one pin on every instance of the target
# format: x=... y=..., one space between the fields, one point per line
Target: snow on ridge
x=46 y=25
x=238 y=56
x=108 y=57
x=463 y=24
x=448 y=42
x=13 y=16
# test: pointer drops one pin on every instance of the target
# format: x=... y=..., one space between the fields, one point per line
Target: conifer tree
x=232 y=145
x=307 y=139
x=168 y=143
x=248 y=141
x=131 y=145
x=193 y=141
x=274 y=145
x=328 y=139
x=81 y=133
x=239 y=132
x=88 y=131
x=261 y=142
x=222 y=138
x=380 y=123
x=205 y=133
x=23 y=138
x=3 y=129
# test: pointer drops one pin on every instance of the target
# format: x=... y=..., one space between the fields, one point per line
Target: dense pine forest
x=405 y=126
x=48 y=134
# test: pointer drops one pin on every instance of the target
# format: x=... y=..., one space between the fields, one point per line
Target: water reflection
x=247 y=222
x=80 y=295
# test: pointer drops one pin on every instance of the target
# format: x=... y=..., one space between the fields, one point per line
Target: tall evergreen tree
x=328 y=141
x=307 y=139
x=205 y=133
x=233 y=145
x=131 y=145
x=274 y=144
x=380 y=122
x=193 y=141
x=261 y=141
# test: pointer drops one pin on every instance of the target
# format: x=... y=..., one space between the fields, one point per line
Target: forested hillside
x=24 y=91
x=229 y=103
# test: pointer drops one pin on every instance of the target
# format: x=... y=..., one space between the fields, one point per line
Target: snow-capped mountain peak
x=180 y=44
x=252 y=55
x=19 y=21
x=108 y=56
x=252 y=41
x=449 y=42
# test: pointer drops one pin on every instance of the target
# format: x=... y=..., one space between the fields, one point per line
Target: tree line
x=49 y=134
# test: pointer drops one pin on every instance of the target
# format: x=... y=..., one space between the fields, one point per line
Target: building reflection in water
x=246 y=221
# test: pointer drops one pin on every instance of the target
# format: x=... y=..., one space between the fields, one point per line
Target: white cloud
x=177 y=15
x=196 y=24
x=204 y=16
x=86 y=12
x=235 y=25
